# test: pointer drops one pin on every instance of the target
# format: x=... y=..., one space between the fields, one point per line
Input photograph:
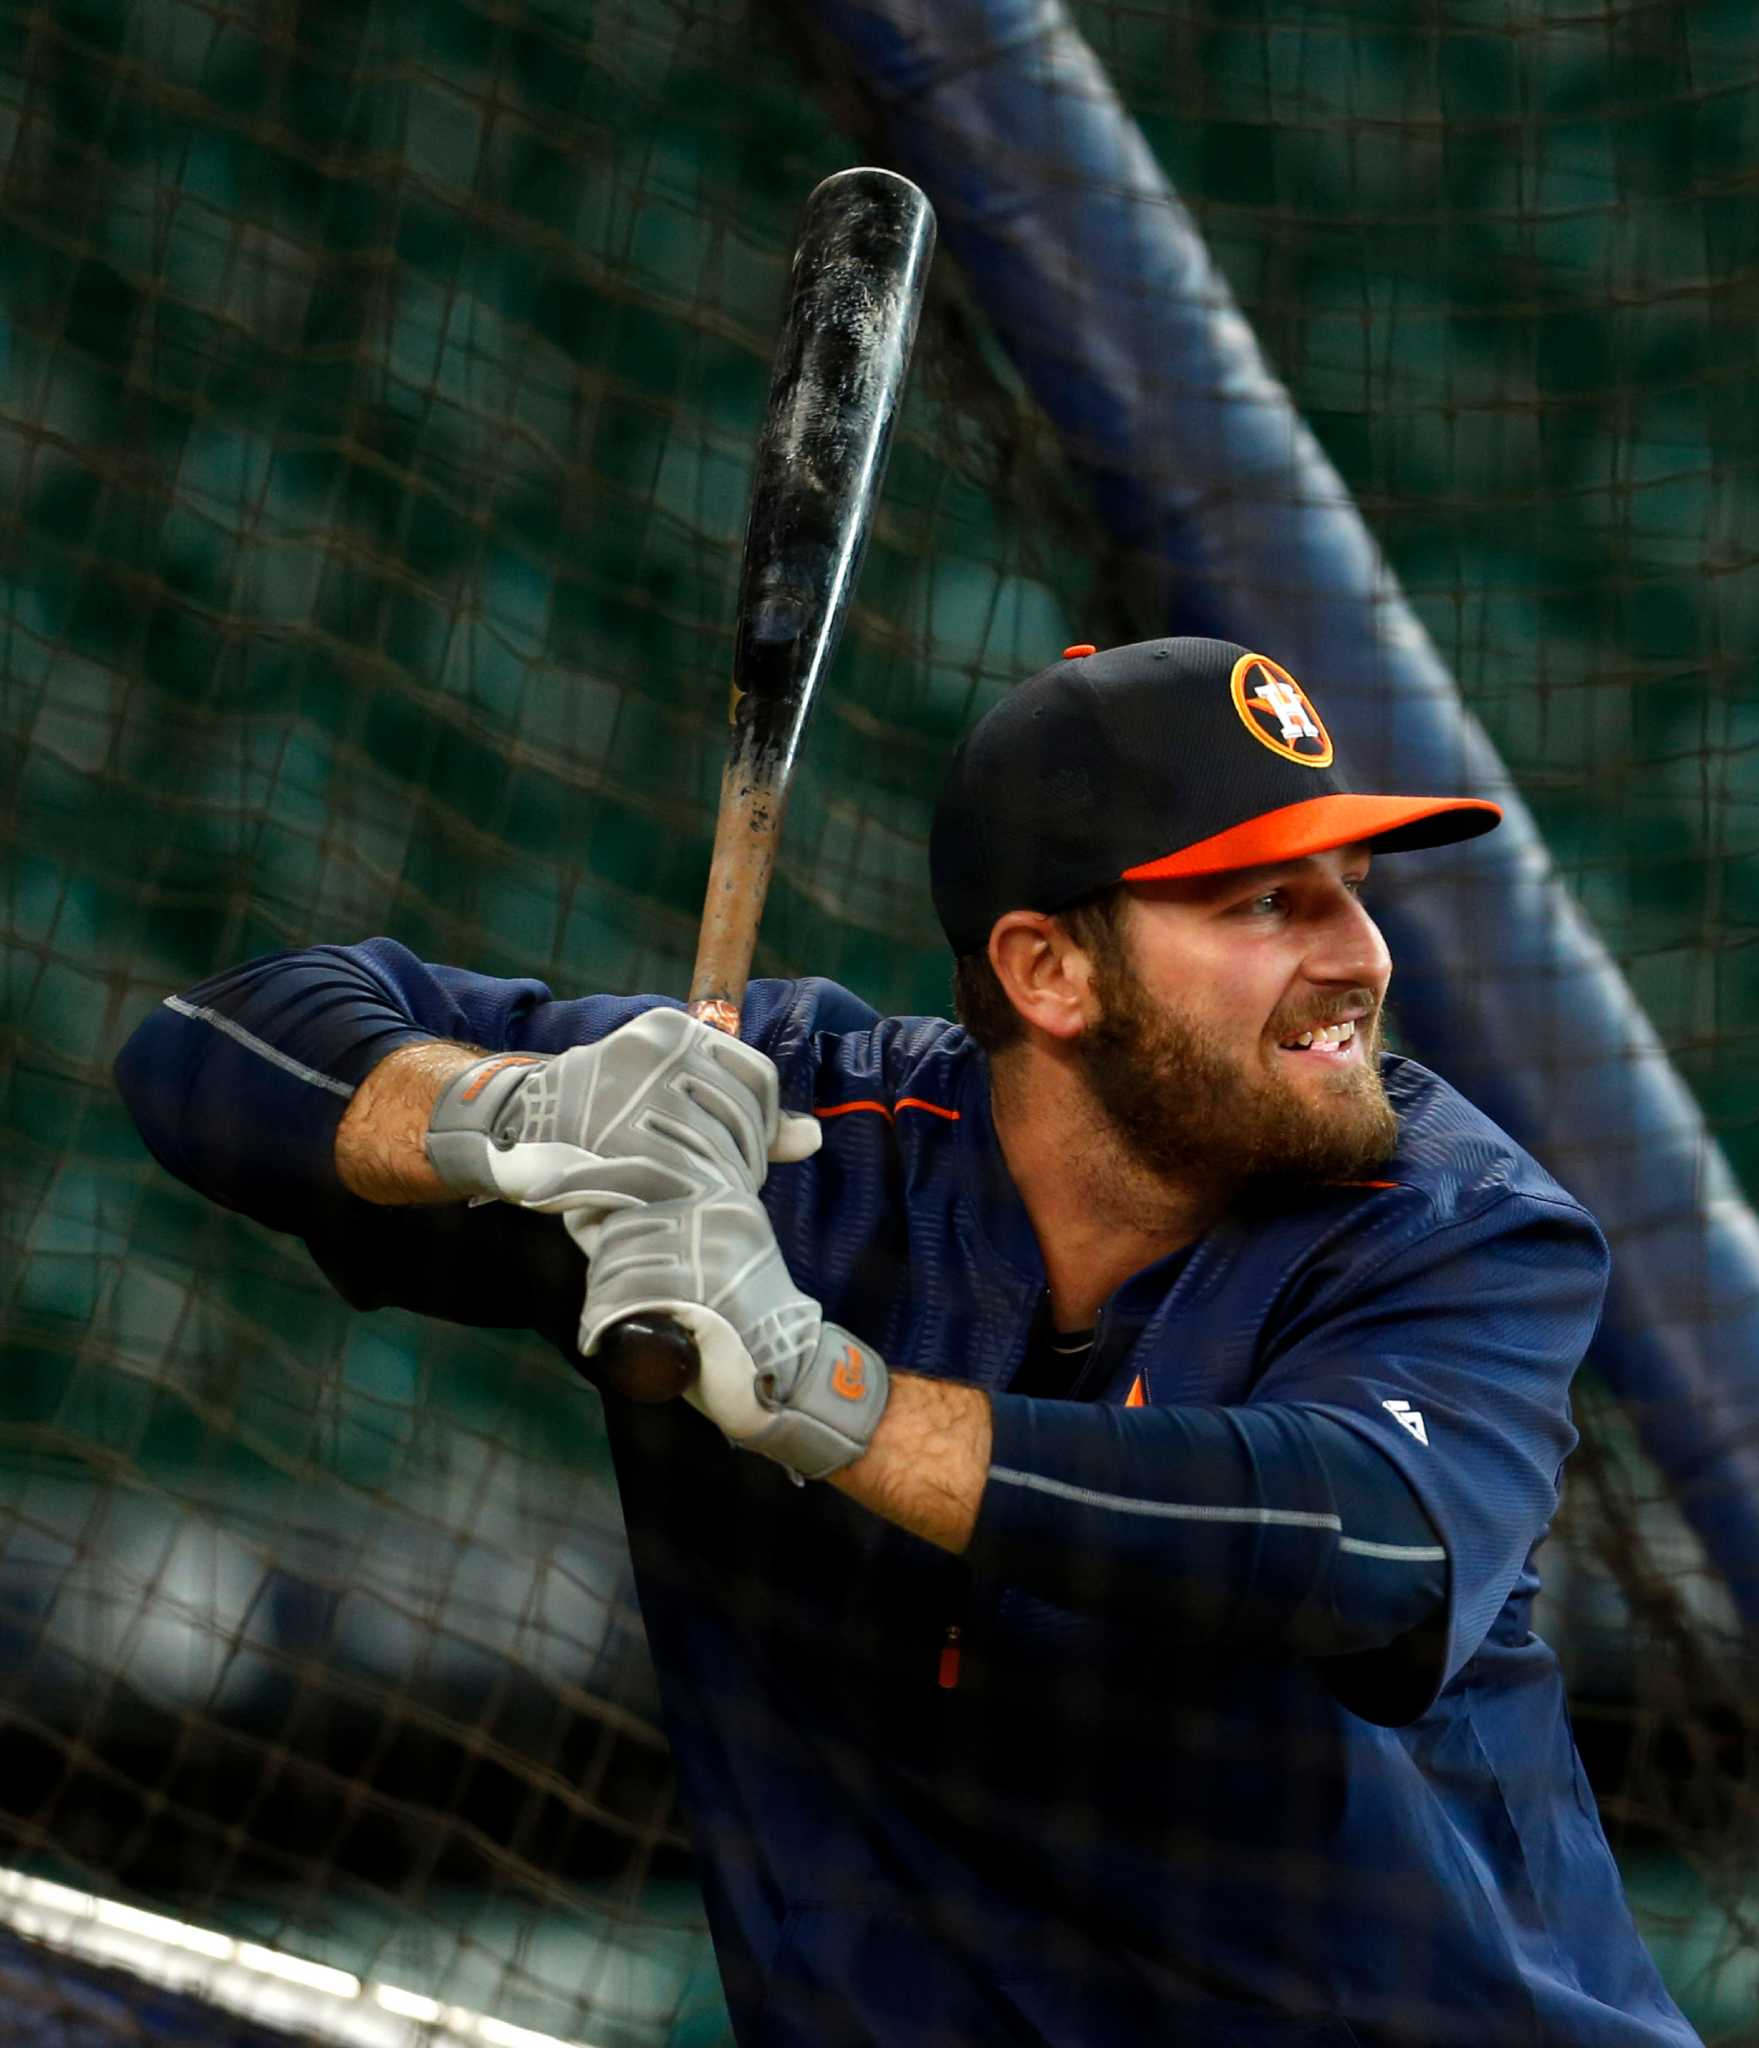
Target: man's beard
x=1200 y=1116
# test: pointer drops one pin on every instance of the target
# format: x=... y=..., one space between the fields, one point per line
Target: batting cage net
x=379 y=397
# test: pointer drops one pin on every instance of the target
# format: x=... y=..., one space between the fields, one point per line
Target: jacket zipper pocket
x=948 y=1676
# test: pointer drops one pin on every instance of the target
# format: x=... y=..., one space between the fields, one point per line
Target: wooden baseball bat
x=854 y=298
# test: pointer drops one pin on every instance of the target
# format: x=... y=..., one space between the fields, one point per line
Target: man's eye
x=1266 y=905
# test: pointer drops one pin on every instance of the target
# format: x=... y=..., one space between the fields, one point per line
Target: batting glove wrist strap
x=831 y=1412
x=478 y=1114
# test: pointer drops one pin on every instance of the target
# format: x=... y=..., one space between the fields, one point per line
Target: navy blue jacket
x=1136 y=1816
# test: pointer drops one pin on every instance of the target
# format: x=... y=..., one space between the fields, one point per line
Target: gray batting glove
x=776 y=1377
x=663 y=1108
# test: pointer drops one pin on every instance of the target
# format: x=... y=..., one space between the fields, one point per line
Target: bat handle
x=653 y=1358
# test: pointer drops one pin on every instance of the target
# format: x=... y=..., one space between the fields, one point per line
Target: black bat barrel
x=840 y=364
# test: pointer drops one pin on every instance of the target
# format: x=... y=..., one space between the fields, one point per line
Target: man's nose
x=1348 y=947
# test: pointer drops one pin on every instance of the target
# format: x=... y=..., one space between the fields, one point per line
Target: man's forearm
x=926 y=1466
x=380 y=1153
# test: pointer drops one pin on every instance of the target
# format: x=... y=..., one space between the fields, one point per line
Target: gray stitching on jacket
x=252 y=1043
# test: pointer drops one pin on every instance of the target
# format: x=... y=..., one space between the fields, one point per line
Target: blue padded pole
x=1099 y=285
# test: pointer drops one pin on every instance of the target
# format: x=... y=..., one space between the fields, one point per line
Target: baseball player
x=1091 y=1581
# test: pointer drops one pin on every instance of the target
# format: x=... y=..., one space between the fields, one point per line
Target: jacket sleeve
x=237 y=1087
x=1384 y=1484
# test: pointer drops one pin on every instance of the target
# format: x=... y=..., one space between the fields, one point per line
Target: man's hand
x=776 y=1376
x=658 y=1111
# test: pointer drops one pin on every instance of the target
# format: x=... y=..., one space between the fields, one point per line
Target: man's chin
x=1332 y=1150
x=1340 y=1126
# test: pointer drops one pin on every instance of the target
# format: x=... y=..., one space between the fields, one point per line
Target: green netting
x=378 y=394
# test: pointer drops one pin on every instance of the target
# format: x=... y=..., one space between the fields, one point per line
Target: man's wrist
x=927 y=1463
x=381 y=1141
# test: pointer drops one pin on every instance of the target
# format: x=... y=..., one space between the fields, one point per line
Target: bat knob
x=647 y=1358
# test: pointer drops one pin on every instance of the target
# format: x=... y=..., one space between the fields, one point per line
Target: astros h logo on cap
x=1278 y=713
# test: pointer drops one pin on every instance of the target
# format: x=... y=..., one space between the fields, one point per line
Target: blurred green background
x=378 y=385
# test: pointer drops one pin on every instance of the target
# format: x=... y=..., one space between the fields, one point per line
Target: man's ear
x=1045 y=975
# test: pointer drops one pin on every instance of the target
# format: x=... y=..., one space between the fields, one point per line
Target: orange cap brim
x=1322 y=823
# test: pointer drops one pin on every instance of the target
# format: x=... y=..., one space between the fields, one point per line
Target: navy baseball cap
x=1169 y=757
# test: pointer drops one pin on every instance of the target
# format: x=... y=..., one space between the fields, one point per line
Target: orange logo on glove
x=488 y=1073
x=849 y=1374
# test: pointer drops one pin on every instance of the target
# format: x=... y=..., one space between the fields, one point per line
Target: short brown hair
x=981 y=1004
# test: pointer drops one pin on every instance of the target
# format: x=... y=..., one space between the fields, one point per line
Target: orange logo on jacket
x=849 y=1374
x=1278 y=713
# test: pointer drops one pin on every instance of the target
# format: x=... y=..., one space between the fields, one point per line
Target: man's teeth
x=1331 y=1034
